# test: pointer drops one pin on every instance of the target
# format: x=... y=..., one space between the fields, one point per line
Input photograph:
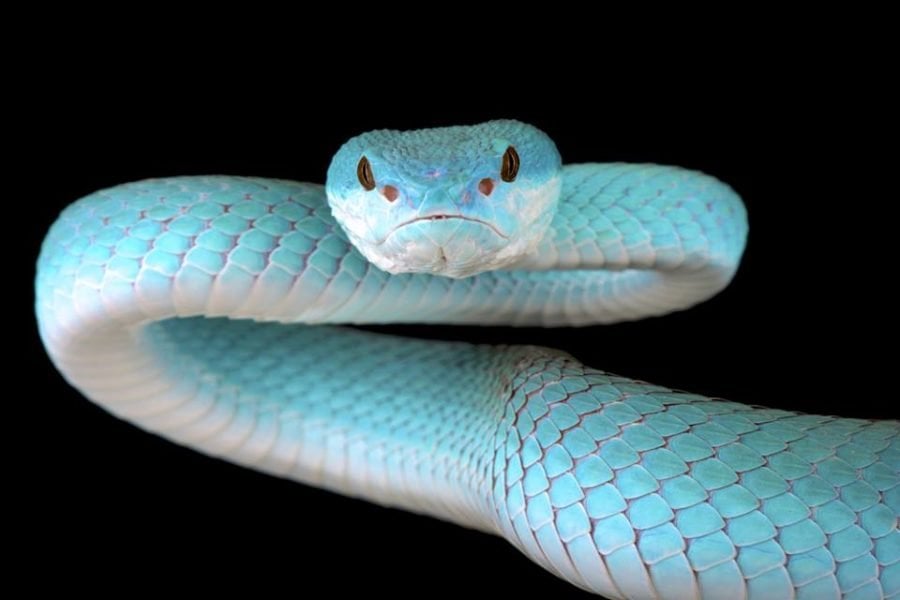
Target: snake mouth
x=445 y=217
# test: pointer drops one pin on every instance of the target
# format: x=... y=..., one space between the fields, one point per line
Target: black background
x=797 y=329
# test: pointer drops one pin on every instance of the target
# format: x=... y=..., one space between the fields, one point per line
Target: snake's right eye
x=364 y=174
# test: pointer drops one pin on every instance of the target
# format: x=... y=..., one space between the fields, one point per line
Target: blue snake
x=183 y=305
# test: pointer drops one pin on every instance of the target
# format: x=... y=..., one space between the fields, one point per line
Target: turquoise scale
x=623 y=488
x=702 y=491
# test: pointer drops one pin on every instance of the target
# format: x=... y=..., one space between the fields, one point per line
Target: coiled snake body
x=175 y=303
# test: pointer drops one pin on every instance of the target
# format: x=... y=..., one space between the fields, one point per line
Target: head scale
x=452 y=201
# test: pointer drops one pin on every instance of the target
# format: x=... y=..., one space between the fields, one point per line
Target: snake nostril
x=486 y=186
x=390 y=192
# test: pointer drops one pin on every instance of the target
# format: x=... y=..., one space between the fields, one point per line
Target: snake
x=218 y=312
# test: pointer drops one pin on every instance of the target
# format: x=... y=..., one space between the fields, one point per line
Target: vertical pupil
x=364 y=174
x=510 y=167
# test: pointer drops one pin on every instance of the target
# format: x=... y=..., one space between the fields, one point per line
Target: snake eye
x=364 y=173
x=510 y=167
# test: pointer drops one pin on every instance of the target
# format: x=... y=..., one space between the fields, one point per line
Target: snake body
x=182 y=305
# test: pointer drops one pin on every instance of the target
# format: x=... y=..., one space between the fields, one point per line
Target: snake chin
x=444 y=245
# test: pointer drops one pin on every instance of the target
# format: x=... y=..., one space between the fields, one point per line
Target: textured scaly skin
x=621 y=487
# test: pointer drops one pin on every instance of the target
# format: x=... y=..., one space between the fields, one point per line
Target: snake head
x=451 y=201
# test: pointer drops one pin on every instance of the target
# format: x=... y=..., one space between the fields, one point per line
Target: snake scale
x=183 y=304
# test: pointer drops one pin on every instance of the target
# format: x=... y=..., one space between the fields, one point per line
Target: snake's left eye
x=364 y=174
x=510 y=167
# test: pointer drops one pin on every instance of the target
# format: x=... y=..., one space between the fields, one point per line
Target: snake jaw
x=444 y=217
x=440 y=240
